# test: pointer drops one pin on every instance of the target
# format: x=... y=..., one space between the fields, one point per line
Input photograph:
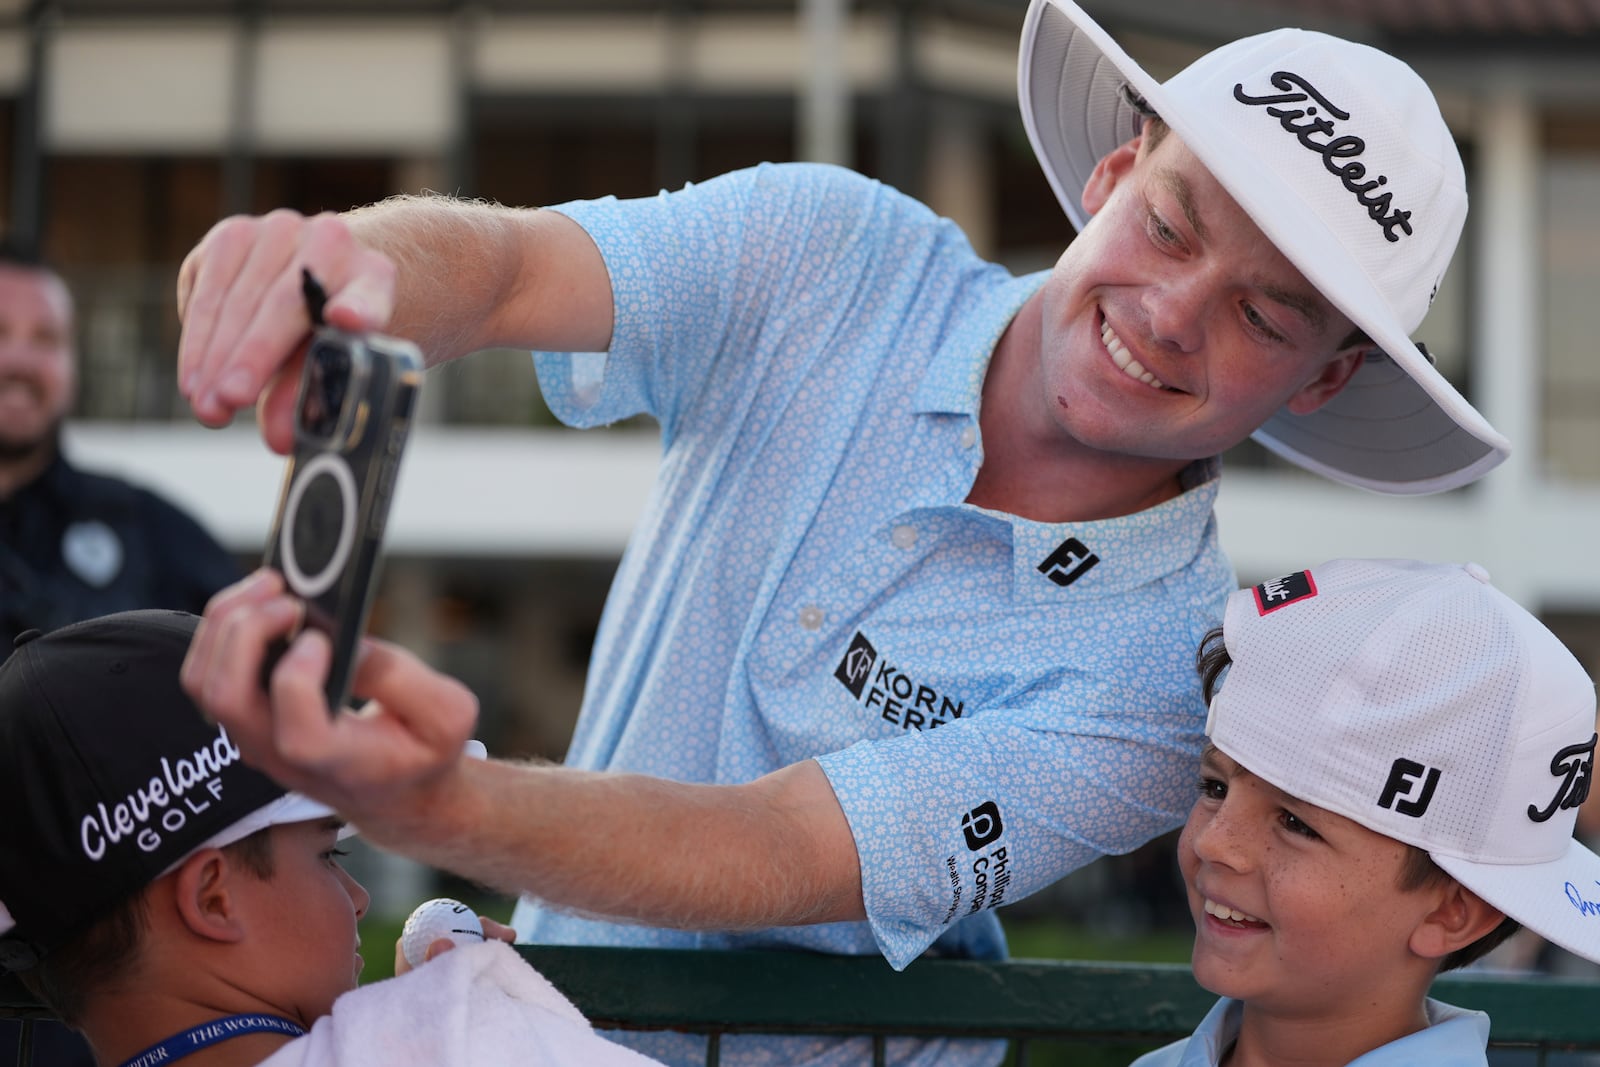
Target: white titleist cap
x=1339 y=154
x=1423 y=703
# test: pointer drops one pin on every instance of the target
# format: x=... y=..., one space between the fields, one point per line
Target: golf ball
x=438 y=918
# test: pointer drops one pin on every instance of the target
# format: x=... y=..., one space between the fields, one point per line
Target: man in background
x=75 y=544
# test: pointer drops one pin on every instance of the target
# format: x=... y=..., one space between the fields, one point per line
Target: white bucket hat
x=1423 y=703
x=1339 y=154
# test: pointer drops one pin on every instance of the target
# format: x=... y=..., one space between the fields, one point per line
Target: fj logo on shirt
x=1574 y=765
x=891 y=693
x=981 y=825
x=1070 y=561
x=1281 y=592
x=1409 y=788
x=1295 y=107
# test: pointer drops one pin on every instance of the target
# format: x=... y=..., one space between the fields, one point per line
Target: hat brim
x=289 y=808
x=1399 y=426
x=1558 y=900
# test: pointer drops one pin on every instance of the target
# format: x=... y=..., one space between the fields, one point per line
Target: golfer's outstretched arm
x=776 y=851
x=454 y=276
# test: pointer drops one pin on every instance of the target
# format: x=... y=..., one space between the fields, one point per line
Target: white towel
x=474 y=1006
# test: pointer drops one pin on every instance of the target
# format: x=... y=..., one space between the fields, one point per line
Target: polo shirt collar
x=953 y=381
x=1110 y=556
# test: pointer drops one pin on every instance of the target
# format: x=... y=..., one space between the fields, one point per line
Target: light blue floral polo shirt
x=995 y=701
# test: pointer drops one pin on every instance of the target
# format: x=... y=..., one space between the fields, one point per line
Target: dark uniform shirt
x=74 y=545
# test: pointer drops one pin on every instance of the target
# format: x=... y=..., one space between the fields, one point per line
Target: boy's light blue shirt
x=995 y=701
x=1455 y=1037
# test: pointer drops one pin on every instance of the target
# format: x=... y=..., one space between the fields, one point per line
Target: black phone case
x=327 y=532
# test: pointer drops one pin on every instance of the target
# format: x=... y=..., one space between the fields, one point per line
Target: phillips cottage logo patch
x=1303 y=111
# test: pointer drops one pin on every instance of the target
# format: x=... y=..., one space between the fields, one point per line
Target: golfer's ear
x=1113 y=167
x=1330 y=381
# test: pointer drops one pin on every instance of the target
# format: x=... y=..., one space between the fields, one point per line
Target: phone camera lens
x=327 y=382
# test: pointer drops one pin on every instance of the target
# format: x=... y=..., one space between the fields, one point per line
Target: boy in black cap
x=171 y=902
x=159 y=895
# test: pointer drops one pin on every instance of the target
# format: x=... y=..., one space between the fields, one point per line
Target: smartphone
x=352 y=417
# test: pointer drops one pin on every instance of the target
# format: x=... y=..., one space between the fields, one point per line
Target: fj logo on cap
x=1281 y=592
x=1409 y=788
x=1574 y=765
x=1335 y=151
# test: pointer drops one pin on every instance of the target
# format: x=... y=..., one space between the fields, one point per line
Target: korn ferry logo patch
x=856 y=667
x=891 y=692
x=1281 y=592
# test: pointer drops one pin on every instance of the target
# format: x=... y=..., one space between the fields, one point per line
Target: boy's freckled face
x=1297 y=910
x=309 y=909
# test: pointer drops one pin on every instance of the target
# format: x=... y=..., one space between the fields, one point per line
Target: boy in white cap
x=171 y=903
x=905 y=632
x=1396 y=760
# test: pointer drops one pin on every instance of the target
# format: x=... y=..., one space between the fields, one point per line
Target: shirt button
x=903 y=536
x=969 y=436
x=811 y=617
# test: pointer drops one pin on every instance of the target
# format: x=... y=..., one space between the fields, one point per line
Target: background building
x=127 y=127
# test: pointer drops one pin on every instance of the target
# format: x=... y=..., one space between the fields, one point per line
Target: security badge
x=92 y=551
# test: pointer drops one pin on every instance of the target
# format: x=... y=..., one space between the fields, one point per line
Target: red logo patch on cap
x=1281 y=592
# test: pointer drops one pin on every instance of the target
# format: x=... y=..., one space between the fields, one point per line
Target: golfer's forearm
x=472 y=275
x=773 y=852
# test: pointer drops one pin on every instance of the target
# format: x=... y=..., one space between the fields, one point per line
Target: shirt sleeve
x=988 y=809
x=708 y=276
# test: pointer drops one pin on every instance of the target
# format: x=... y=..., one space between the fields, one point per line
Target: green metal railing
x=1023 y=1001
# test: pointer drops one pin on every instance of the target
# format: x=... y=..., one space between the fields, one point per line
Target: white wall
x=551 y=492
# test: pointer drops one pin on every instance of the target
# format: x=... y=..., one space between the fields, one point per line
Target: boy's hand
x=491 y=931
x=383 y=767
x=244 y=316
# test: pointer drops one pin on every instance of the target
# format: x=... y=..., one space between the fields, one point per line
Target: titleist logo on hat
x=1281 y=592
x=1319 y=113
x=179 y=788
x=1574 y=766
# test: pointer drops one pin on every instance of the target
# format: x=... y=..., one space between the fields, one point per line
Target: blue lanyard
x=198 y=1037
